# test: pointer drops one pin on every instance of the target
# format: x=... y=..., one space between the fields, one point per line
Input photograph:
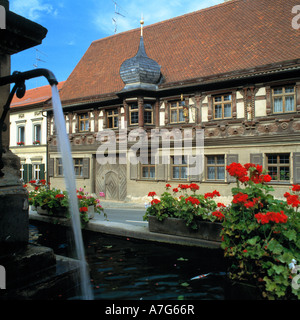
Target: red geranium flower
x=83 y=209
x=192 y=200
x=194 y=186
x=152 y=194
x=155 y=201
x=296 y=187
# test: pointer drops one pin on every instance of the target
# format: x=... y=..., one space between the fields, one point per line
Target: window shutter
x=29 y=172
x=86 y=168
x=160 y=173
x=296 y=161
x=133 y=169
x=230 y=159
x=161 y=170
x=42 y=171
x=25 y=173
x=51 y=167
x=256 y=158
x=195 y=176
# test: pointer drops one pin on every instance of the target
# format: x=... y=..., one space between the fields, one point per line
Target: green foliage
x=184 y=204
x=56 y=201
x=260 y=251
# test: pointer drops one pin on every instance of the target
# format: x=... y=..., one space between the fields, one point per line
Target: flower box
x=207 y=230
x=57 y=213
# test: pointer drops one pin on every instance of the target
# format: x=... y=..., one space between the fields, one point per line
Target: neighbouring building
x=232 y=70
x=28 y=132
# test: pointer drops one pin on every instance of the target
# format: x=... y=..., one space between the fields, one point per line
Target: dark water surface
x=128 y=269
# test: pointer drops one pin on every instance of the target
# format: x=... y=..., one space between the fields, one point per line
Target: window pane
x=272 y=159
x=176 y=172
x=227 y=97
x=278 y=91
x=181 y=116
x=210 y=160
x=116 y=122
x=227 y=110
x=289 y=89
x=148 y=117
x=284 y=158
x=183 y=172
x=173 y=115
x=211 y=173
x=218 y=111
x=110 y=122
x=220 y=173
x=273 y=172
x=21 y=134
x=284 y=173
x=37 y=132
x=152 y=172
x=220 y=160
x=218 y=99
x=145 y=172
x=134 y=117
x=289 y=103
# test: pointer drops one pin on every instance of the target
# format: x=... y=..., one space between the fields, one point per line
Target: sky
x=73 y=25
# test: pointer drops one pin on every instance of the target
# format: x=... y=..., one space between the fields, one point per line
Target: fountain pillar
x=14 y=219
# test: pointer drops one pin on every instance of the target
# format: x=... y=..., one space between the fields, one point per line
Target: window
x=37 y=134
x=148 y=170
x=112 y=119
x=36 y=172
x=215 y=167
x=59 y=167
x=284 y=99
x=83 y=122
x=222 y=106
x=78 y=167
x=279 y=166
x=22 y=169
x=134 y=114
x=178 y=171
x=176 y=111
x=21 y=134
x=148 y=113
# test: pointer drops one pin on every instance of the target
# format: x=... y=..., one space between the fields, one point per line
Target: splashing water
x=67 y=162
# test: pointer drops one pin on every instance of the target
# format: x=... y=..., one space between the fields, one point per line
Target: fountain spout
x=18 y=78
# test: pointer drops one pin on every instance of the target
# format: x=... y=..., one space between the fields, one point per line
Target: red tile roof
x=232 y=36
x=34 y=96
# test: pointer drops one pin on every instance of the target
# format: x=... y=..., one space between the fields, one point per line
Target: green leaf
x=253 y=240
x=290 y=234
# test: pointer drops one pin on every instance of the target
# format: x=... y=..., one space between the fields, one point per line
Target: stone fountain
x=26 y=271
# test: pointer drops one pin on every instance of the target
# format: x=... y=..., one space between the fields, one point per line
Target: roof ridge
x=230 y=2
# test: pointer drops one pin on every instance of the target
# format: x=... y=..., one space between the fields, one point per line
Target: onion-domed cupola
x=140 y=72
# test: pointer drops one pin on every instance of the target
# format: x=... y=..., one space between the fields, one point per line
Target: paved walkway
x=129 y=231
